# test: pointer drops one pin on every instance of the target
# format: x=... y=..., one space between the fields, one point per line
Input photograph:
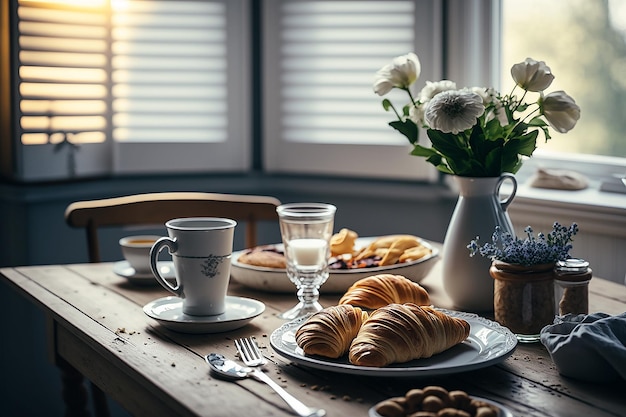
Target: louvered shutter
x=321 y=114
x=180 y=83
x=62 y=88
x=135 y=87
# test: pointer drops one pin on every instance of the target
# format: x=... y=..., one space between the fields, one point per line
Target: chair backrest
x=157 y=208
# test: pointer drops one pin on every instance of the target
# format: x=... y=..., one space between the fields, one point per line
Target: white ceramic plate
x=339 y=280
x=168 y=311
x=487 y=344
x=123 y=269
x=502 y=410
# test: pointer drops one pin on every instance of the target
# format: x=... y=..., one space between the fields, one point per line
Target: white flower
x=532 y=75
x=561 y=111
x=403 y=71
x=489 y=96
x=454 y=111
x=491 y=129
x=416 y=114
x=431 y=89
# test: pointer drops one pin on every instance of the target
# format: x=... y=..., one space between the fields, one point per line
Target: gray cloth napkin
x=589 y=347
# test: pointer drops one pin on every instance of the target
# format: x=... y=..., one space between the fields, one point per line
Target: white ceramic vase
x=478 y=210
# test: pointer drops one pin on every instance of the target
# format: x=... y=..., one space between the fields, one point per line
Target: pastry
x=397 y=249
x=402 y=332
x=330 y=331
x=264 y=258
x=380 y=290
x=343 y=242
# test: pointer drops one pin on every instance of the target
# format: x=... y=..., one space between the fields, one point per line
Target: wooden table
x=98 y=326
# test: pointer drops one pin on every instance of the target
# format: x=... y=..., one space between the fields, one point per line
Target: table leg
x=73 y=391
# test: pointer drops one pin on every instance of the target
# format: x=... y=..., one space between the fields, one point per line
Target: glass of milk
x=306 y=229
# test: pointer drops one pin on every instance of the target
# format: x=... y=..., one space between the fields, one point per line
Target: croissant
x=379 y=290
x=402 y=332
x=330 y=331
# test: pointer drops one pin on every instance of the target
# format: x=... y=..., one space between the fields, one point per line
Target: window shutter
x=322 y=115
x=132 y=86
x=181 y=86
x=169 y=72
x=62 y=115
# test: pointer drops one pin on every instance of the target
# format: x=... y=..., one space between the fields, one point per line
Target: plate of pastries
x=385 y=325
x=352 y=258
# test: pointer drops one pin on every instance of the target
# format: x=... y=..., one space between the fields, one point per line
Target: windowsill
x=591 y=208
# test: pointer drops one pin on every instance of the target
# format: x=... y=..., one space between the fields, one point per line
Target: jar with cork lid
x=571 y=286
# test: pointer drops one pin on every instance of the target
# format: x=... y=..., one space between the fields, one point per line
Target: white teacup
x=136 y=251
x=201 y=248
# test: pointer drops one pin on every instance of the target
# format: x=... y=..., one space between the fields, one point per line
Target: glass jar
x=523 y=298
x=571 y=282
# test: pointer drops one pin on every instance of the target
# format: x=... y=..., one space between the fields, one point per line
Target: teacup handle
x=172 y=247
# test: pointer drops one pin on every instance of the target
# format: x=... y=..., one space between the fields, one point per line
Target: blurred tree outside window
x=584 y=44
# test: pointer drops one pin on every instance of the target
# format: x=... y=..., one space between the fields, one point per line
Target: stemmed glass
x=306 y=229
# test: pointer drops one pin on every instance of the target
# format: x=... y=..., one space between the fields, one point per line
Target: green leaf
x=523 y=145
x=493 y=162
x=387 y=104
x=448 y=144
x=537 y=121
x=419 y=150
x=494 y=130
x=453 y=149
x=407 y=128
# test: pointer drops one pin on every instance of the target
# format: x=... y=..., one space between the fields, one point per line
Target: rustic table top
x=101 y=330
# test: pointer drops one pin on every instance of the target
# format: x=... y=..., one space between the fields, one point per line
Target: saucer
x=168 y=311
x=123 y=269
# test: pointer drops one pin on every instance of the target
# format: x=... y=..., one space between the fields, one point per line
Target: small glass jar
x=523 y=298
x=571 y=286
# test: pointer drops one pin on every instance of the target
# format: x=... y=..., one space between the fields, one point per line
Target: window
x=108 y=87
x=129 y=86
x=321 y=114
x=584 y=44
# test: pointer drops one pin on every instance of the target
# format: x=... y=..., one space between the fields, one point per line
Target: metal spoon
x=231 y=370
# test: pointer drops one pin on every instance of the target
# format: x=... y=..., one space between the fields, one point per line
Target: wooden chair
x=153 y=209
x=157 y=208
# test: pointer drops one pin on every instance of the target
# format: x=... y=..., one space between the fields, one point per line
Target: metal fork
x=249 y=351
x=251 y=355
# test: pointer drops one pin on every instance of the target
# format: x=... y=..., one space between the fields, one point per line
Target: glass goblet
x=306 y=229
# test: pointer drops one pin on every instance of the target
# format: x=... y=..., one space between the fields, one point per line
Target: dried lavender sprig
x=532 y=250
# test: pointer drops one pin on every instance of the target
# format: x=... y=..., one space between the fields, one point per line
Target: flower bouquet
x=476 y=132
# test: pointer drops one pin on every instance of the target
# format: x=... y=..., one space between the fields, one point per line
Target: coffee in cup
x=136 y=251
x=201 y=248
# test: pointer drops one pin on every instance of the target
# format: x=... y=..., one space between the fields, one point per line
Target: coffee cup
x=201 y=248
x=136 y=251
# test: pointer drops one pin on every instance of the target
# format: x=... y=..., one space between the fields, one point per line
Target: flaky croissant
x=330 y=331
x=379 y=290
x=402 y=332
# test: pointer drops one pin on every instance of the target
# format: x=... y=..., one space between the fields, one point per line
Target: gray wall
x=34 y=233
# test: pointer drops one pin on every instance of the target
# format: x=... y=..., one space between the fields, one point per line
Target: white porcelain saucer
x=123 y=269
x=168 y=311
